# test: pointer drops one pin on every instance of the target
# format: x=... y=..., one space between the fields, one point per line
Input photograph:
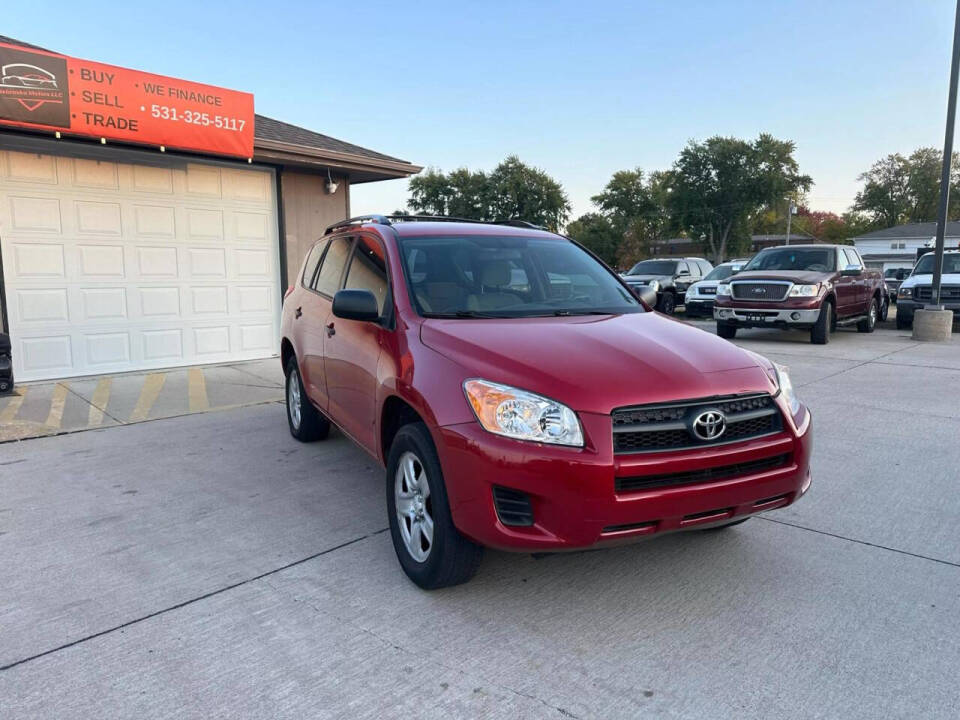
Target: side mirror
x=851 y=271
x=355 y=305
x=647 y=295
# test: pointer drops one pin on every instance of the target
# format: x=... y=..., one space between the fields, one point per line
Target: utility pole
x=947 y=158
x=791 y=209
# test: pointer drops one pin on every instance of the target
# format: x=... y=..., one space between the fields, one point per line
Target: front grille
x=760 y=291
x=513 y=507
x=713 y=474
x=947 y=292
x=653 y=428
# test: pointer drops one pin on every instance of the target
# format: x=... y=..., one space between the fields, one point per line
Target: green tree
x=903 y=189
x=634 y=204
x=720 y=186
x=512 y=191
x=521 y=192
x=595 y=232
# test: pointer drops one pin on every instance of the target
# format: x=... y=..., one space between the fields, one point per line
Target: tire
x=885 y=310
x=725 y=525
x=667 y=303
x=869 y=323
x=820 y=333
x=306 y=422
x=726 y=330
x=903 y=323
x=445 y=558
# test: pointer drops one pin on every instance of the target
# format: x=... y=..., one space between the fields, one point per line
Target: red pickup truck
x=807 y=287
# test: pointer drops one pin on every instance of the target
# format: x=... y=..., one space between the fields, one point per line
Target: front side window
x=654 y=267
x=490 y=276
x=328 y=279
x=368 y=270
x=852 y=257
x=786 y=258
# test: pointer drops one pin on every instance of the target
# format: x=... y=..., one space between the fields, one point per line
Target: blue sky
x=580 y=90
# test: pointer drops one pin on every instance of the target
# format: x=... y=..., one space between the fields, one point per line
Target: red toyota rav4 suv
x=521 y=397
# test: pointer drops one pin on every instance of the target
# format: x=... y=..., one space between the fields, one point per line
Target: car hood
x=645 y=278
x=598 y=363
x=798 y=277
x=927 y=279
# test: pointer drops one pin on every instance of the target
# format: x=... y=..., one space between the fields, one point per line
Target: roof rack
x=390 y=220
x=358 y=220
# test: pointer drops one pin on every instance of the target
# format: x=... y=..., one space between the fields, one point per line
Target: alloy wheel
x=293 y=399
x=411 y=489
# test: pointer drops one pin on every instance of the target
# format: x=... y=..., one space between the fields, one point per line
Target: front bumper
x=746 y=316
x=697 y=306
x=906 y=307
x=573 y=491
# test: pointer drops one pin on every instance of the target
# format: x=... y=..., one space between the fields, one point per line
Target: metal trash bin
x=6 y=364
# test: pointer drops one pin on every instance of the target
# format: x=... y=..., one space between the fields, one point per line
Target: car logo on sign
x=709 y=425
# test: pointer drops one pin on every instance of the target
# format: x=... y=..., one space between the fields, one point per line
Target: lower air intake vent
x=513 y=506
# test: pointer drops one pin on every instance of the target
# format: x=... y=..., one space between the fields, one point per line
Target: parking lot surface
x=208 y=565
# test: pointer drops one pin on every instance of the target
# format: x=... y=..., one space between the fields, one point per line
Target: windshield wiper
x=465 y=314
x=565 y=313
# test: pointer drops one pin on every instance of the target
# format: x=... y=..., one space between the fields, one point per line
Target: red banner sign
x=54 y=92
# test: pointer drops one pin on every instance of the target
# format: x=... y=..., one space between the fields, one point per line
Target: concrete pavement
x=52 y=408
x=210 y=566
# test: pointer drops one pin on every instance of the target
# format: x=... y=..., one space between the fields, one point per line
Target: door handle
x=298 y=312
x=331 y=331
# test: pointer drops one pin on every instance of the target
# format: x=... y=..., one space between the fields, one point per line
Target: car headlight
x=654 y=285
x=504 y=410
x=786 y=387
x=693 y=290
x=905 y=292
x=804 y=290
x=723 y=289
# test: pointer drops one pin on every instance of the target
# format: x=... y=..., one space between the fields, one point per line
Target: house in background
x=896 y=247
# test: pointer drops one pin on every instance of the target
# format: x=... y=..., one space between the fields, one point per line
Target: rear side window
x=313 y=259
x=328 y=279
x=368 y=270
x=852 y=257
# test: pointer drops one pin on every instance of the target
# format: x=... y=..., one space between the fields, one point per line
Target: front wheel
x=726 y=330
x=869 y=323
x=431 y=550
x=885 y=310
x=820 y=334
x=667 y=304
x=305 y=421
x=903 y=323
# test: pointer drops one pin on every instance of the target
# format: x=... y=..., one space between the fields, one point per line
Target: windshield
x=721 y=272
x=811 y=259
x=488 y=276
x=653 y=267
x=951 y=264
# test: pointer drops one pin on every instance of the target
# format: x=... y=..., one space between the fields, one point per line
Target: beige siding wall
x=307 y=211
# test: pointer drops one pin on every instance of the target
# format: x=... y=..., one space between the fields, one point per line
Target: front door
x=846 y=287
x=353 y=349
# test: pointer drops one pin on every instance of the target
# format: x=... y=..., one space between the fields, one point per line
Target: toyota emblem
x=709 y=425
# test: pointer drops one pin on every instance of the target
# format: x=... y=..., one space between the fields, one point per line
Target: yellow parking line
x=197 y=390
x=58 y=400
x=13 y=406
x=152 y=385
x=98 y=403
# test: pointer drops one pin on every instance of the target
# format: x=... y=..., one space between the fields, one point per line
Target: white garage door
x=111 y=266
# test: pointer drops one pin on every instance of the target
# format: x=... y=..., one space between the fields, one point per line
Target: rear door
x=352 y=348
x=317 y=311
